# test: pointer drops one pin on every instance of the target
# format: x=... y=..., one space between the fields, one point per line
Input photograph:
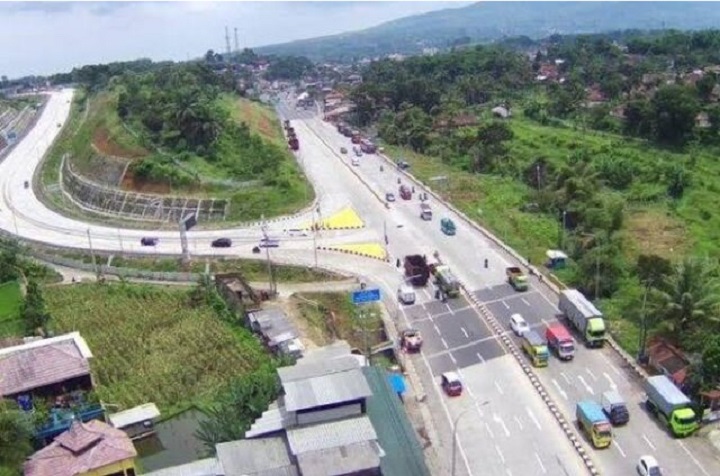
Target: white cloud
x=44 y=38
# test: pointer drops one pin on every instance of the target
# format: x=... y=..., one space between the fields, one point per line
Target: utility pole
x=237 y=46
x=643 y=326
x=271 y=278
x=314 y=232
x=597 y=276
x=92 y=253
x=227 y=41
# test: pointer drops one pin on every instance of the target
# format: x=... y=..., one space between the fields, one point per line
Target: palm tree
x=687 y=301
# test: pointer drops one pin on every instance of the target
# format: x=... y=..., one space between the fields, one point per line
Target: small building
x=278 y=332
x=137 y=422
x=501 y=112
x=669 y=360
x=86 y=449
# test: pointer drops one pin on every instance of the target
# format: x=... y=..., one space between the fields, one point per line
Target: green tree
x=675 y=108
x=34 y=311
x=491 y=145
x=16 y=433
x=710 y=363
x=9 y=262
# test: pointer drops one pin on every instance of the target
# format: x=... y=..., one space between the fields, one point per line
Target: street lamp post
x=643 y=327
x=454 y=434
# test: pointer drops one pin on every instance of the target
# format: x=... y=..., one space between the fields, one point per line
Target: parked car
x=402 y=165
x=269 y=243
x=222 y=243
x=518 y=325
x=390 y=197
x=648 y=466
x=343 y=150
x=451 y=384
x=27 y=184
x=147 y=241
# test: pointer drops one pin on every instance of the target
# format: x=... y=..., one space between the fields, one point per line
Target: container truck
x=584 y=316
x=355 y=137
x=560 y=341
x=294 y=143
x=534 y=346
x=593 y=422
x=417 y=270
x=446 y=281
x=516 y=278
x=670 y=405
x=367 y=146
x=615 y=407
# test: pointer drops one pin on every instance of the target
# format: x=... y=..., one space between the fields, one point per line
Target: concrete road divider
x=369 y=250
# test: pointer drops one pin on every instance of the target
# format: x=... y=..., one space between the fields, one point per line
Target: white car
x=648 y=466
x=518 y=325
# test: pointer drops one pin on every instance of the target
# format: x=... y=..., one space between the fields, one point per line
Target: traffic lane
x=518 y=436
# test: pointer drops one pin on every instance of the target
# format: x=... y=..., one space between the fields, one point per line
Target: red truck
x=367 y=146
x=560 y=341
x=417 y=270
x=405 y=192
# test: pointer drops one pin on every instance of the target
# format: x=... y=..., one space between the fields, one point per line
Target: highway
x=504 y=428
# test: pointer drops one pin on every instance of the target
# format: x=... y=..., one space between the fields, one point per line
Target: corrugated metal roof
x=337 y=349
x=262 y=456
x=202 y=467
x=327 y=389
x=330 y=435
x=273 y=419
x=396 y=435
x=348 y=459
x=274 y=325
x=305 y=369
x=146 y=411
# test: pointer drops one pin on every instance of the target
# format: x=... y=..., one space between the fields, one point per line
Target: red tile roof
x=84 y=447
x=37 y=365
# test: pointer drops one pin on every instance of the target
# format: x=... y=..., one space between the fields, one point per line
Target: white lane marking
x=648 y=442
x=452 y=358
x=487 y=425
x=532 y=417
x=465 y=332
x=615 y=443
x=480 y=357
x=437 y=329
x=610 y=364
x=497 y=419
x=542 y=466
x=445 y=343
x=587 y=369
x=505 y=304
x=587 y=387
x=525 y=301
x=562 y=374
x=559 y=388
x=692 y=457
x=612 y=382
x=509 y=473
x=499 y=388
x=517 y=420
x=502 y=458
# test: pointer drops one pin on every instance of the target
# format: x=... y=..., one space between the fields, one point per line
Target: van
x=406 y=294
x=615 y=408
x=425 y=211
x=447 y=226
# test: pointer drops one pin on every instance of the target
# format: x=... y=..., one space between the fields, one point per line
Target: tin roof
x=346 y=459
x=43 y=362
x=262 y=456
x=325 y=390
x=202 y=467
x=330 y=435
x=274 y=325
x=146 y=411
x=82 y=449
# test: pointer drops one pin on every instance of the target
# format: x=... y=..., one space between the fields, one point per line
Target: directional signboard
x=366 y=295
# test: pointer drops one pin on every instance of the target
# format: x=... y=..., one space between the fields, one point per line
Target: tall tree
x=34 y=311
x=16 y=433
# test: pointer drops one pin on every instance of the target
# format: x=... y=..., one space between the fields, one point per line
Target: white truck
x=584 y=316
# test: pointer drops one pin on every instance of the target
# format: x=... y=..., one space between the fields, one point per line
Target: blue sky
x=49 y=37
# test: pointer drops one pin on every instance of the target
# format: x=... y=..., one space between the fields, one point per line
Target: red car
x=451 y=384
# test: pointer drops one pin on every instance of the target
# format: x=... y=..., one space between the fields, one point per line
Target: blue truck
x=593 y=422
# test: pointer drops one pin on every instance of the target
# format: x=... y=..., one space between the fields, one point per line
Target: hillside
x=485 y=22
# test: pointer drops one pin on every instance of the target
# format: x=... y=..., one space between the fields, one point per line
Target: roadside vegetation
x=605 y=153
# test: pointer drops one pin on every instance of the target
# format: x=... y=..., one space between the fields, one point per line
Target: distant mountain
x=490 y=21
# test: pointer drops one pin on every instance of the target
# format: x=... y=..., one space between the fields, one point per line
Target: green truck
x=586 y=318
x=670 y=405
x=446 y=281
x=517 y=278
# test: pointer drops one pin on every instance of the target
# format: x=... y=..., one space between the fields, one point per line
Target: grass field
x=260 y=119
x=10 y=302
x=151 y=345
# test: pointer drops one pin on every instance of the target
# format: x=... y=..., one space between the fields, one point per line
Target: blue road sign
x=366 y=295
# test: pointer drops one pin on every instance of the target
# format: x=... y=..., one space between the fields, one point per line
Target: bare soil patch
x=655 y=232
x=104 y=143
x=136 y=184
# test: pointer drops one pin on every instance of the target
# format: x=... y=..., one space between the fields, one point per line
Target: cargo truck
x=615 y=407
x=516 y=278
x=534 y=346
x=560 y=341
x=670 y=405
x=367 y=146
x=294 y=143
x=446 y=281
x=286 y=124
x=593 y=422
x=584 y=316
x=355 y=137
x=417 y=270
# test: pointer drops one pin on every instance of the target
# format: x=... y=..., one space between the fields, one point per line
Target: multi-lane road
x=503 y=425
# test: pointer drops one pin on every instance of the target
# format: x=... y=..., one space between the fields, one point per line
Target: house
x=702 y=121
x=86 y=449
x=669 y=360
x=323 y=424
x=46 y=368
x=277 y=331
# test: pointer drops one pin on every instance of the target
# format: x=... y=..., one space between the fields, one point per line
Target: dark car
x=147 y=241
x=269 y=243
x=222 y=243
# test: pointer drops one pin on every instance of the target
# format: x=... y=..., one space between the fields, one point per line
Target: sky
x=40 y=38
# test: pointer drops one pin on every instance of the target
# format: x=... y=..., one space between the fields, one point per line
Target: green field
x=152 y=344
x=10 y=302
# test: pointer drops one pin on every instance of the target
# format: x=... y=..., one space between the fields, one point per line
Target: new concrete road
x=503 y=425
x=464 y=342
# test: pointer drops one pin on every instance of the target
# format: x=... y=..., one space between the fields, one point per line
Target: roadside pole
x=359 y=298
x=92 y=254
